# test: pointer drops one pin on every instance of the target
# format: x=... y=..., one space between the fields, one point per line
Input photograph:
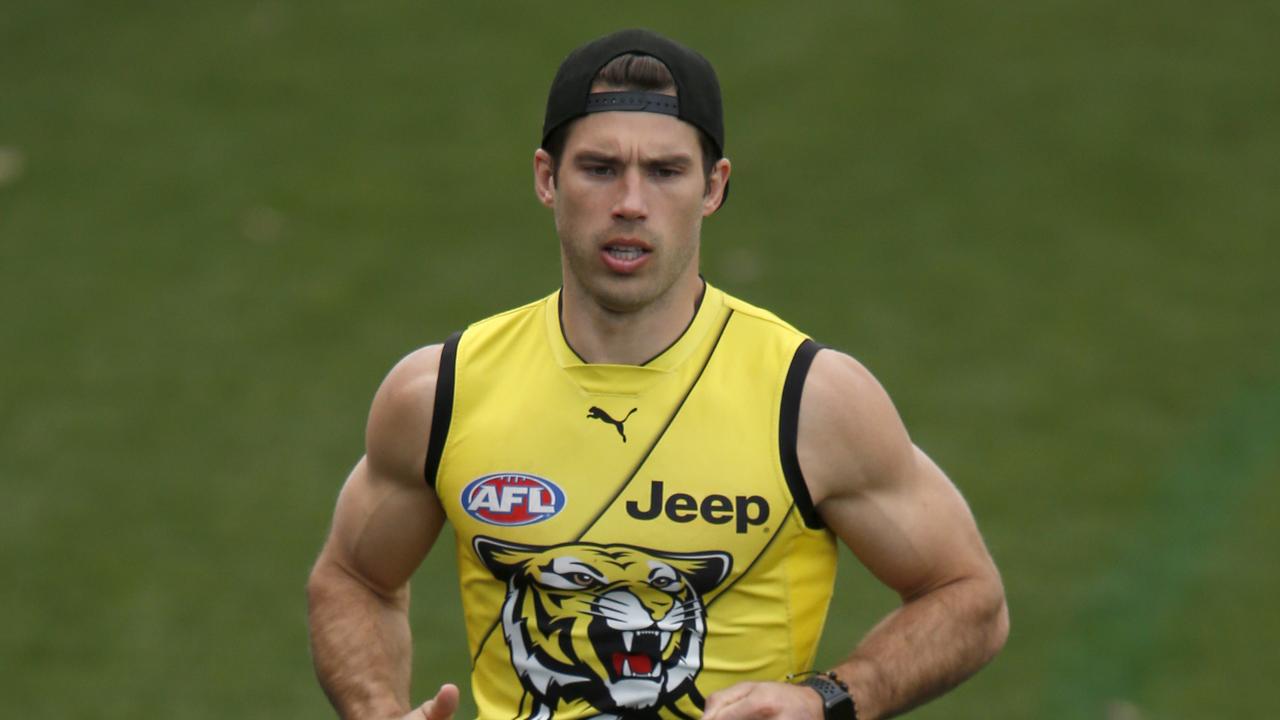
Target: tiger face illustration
x=617 y=626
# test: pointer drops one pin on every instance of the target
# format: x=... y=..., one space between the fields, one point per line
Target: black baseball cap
x=697 y=100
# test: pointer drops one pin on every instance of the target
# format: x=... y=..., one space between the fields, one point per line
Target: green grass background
x=1049 y=228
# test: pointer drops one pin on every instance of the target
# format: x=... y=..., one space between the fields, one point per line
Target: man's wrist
x=837 y=703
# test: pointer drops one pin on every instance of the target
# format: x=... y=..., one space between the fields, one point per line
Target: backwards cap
x=697 y=90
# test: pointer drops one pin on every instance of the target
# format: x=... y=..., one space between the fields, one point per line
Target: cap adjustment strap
x=633 y=102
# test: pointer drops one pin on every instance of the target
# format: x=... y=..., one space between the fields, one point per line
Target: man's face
x=629 y=197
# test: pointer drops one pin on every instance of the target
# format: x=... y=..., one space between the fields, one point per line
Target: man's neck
x=600 y=335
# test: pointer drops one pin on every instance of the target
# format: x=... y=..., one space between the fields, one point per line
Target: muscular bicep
x=914 y=532
x=885 y=499
x=387 y=517
x=382 y=528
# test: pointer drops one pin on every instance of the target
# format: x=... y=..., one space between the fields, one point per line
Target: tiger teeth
x=627 y=671
x=627 y=638
x=666 y=638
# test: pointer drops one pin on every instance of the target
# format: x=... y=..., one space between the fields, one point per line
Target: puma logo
x=603 y=416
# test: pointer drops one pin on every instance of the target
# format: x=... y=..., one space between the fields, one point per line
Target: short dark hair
x=632 y=72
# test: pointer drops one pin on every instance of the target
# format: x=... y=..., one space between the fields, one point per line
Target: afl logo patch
x=512 y=499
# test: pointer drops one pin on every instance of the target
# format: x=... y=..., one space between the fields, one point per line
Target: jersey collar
x=706 y=319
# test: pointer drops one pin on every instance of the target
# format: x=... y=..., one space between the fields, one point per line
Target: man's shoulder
x=838 y=376
x=834 y=372
x=400 y=419
x=850 y=431
x=414 y=374
x=757 y=314
x=512 y=316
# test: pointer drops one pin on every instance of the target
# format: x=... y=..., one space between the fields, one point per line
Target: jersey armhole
x=442 y=412
x=788 y=431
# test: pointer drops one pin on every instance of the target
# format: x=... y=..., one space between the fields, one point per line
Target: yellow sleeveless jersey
x=630 y=538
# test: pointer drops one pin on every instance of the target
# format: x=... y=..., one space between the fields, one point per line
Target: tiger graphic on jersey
x=617 y=627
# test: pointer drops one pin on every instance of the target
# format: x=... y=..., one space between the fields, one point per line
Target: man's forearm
x=927 y=646
x=360 y=644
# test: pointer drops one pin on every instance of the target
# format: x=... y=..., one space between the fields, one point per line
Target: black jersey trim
x=631 y=476
x=697 y=306
x=442 y=413
x=661 y=434
x=789 y=429
x=560 y=322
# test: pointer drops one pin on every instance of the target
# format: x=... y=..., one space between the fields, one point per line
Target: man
x=645 y=476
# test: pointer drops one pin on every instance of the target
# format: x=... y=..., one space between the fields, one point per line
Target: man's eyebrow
x=671 y=160
x=676 y=159
x=598 y=156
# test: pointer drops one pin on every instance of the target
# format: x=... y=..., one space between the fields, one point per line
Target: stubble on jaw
x=667 y=218
x=618 y=295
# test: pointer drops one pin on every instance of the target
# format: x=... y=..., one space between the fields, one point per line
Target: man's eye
x=599 y=170
x=666 y=172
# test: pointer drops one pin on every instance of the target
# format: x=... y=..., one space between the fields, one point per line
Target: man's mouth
x=625 y=256
x=625 y=253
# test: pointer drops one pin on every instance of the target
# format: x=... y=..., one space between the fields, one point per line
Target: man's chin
x=623 y=295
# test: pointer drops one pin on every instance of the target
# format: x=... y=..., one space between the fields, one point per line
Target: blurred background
x=1049 y=228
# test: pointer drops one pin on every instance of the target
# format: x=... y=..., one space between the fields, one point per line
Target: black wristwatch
x=837 y=703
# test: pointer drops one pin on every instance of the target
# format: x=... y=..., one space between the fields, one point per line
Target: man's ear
x=544 y=177
x=716 y=183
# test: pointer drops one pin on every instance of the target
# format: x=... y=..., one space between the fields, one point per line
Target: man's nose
x=631 y=203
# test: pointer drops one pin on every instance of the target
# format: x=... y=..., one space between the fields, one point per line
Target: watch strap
x=837 y=703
